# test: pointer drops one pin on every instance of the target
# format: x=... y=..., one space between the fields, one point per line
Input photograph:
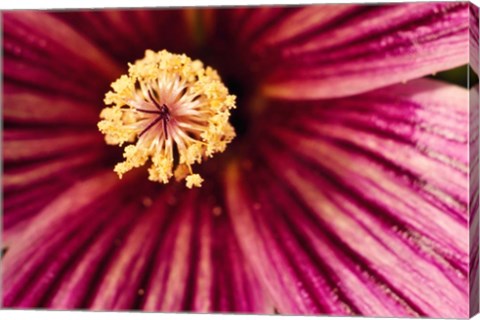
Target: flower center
x=172 y=111
x=163 y=114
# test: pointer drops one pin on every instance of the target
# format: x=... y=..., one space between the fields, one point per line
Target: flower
x=345 y=190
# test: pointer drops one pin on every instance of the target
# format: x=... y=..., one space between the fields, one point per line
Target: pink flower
x=344 y=192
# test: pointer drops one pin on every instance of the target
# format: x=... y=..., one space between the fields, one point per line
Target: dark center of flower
x=240 y=118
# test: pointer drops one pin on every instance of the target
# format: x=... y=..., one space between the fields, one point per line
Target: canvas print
x=304 y=159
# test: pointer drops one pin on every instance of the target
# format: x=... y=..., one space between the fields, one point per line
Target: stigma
x=172 y=112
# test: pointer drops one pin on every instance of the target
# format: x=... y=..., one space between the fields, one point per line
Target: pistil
x=163 y=115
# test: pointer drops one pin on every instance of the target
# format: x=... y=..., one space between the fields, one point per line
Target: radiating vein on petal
x=126 y=34
x=44 y=52
x=45 y=232
x=23 y=107
x=352 y=50
x=474 y=37
x=341 y=185
x=473 y=199
x=198 y=265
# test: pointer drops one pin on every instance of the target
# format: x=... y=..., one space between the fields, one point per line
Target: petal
x=73 y=231
x=251 y=21
x=20 y=205
x=473 y=201
x=28 y=145
x=44 y=53
x=117 y=292
x=338 y=219
x=49 y=143
x=39 y=243
x=417 y=131
x=327 y=51
x=22 y=106
x=74 y=289
x=125 y=34
x=474 y=37
x=29 y=174
x=176 y=247
x=198 y=265
x=276 y=256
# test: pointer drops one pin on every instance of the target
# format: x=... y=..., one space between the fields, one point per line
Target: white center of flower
x=175 y=110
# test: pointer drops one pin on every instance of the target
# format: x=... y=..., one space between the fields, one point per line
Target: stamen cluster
x=172 y=111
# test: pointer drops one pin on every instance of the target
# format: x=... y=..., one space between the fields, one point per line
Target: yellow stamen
x=194 y=180
x=173 y=111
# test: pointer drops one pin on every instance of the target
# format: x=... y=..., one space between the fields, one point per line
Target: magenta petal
x=349 y=51
x=20 y=205
x=126 y=34
x=198 y=265
x=473 y=201
x=264 y=28
x=349 y=221
x=179 y=255
x=49 y=142
x=43 y=52
x=115 y=291
x=178 y=251
x=275 y=254
x=27 y=107
x=75 y=288
x=474 y=50
x=423 y=120
x=30 y=174
x=251 y=21
x=42 y=238
x=25 y=145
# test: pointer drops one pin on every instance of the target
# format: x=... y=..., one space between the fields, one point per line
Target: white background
x=82 y=315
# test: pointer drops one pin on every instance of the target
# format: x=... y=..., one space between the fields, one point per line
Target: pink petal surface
x=25 y=145
x=172 y=244
x=115 y=290
x=474 y=37
x=29 y=107
x=47 y=230
x=49 y=142
x=43 y=52
x=350 y=226
x=31 y=174
x=327 y=51
x=473 y=202
x=74 y=290
x=125 y=34
x=188 y=270
x=20 y=205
